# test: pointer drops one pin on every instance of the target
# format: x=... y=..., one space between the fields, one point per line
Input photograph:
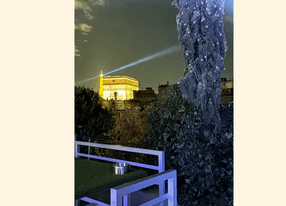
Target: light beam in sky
x=162 y=53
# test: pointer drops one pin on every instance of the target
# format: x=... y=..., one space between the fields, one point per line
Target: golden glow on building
x=122 y=85
x=100 y=85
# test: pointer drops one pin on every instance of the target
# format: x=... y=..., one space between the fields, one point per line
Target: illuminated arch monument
x=117 y=87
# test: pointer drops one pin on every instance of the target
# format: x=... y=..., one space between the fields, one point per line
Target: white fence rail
x=119 y=192
x=160 y=154
x=158 y=179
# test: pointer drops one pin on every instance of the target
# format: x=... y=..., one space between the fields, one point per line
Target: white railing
x=160 y=167
x=160 y=154
x=119 y=192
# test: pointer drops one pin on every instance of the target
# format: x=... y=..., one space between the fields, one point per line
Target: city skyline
x=123 y=31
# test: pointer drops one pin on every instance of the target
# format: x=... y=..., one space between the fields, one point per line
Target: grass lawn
x=90 y=174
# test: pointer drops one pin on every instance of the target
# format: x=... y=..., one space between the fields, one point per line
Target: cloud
x=98 y=2
x=88 y=15
x=85 y=6
x=78 y=4
x=76 y=51
x=85 y=27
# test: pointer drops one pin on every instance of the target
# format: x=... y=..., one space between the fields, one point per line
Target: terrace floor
x=94 y=179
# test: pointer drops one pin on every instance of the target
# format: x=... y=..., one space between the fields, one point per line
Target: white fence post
x=128 y=188
x=88 y=149
x=115 y=199
x=122 y=197
x=172 y=191
x=161 y=164
x=126 y=200
x=77 y=147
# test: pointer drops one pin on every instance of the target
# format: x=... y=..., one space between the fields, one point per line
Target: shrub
x=130 y=128
x=201 y=153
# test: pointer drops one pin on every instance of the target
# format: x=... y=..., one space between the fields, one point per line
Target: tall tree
x=90 y=118
x=200 y=28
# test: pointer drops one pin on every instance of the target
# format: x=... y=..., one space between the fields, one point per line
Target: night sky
x=124 y=31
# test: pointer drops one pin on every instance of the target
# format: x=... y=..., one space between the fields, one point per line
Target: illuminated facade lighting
x=117 y=87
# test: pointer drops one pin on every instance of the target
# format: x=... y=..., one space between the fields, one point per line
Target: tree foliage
x=198 y=137
x=200 y=28
x=130 y=126
x=90 y=118
x=201 y=153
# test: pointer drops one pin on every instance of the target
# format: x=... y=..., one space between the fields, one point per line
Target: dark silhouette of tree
x=90 y=118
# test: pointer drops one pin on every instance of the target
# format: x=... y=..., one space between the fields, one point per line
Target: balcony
x=129 y=189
